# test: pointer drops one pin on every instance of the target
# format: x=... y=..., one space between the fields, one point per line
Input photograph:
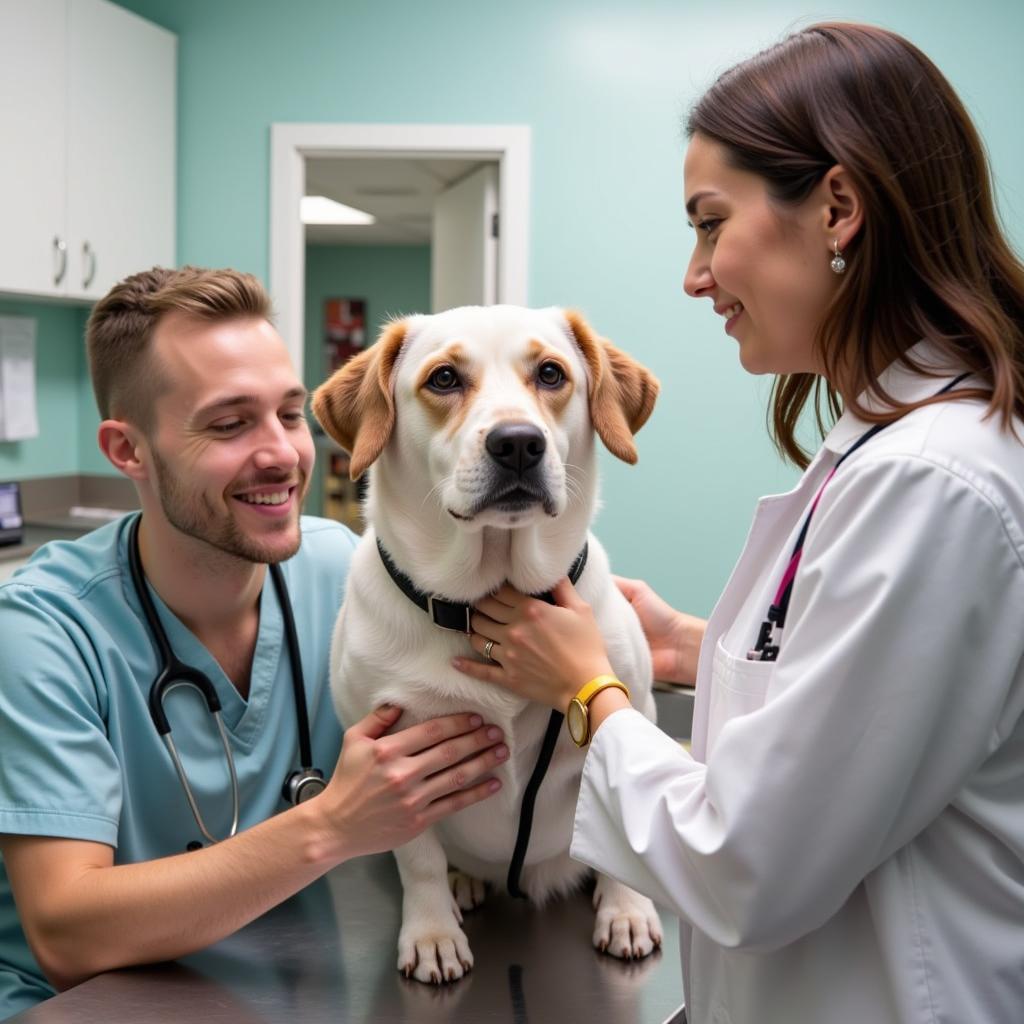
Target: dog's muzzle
x=517 y=451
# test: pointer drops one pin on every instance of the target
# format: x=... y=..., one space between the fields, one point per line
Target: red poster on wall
x=344 y=331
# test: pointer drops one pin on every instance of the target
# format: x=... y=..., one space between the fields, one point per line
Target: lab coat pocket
x=738 y=687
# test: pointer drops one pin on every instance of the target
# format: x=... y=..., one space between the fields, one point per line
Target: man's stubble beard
x=194 y=515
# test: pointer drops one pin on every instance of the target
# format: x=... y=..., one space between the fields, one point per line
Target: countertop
x=328 y=954
x=59 y=524
x=35 y=535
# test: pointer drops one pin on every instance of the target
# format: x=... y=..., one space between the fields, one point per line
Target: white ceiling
x=399 y=192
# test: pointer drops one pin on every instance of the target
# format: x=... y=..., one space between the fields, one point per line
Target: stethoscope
x=767 y=646
x=300 y=785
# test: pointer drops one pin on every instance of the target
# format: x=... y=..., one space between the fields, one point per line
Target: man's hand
x=387 y=788
x=82 y=914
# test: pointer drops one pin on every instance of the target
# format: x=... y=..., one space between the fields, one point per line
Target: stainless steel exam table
x=329 y=953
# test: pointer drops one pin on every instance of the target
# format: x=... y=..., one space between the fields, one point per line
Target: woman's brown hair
x=930 y=261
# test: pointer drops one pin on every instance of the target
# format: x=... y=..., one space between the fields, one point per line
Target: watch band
x=588 y=691
x=577 y=715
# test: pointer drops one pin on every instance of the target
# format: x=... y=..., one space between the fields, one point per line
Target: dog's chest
x=481 y=838
x=387 y=649
x=391 y=659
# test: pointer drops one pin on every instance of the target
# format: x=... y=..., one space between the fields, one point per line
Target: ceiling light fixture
x=321 y=210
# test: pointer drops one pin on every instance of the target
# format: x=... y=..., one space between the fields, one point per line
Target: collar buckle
x=447 y=619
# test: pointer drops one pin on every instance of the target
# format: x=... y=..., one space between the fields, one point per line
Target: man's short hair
x=125 y=377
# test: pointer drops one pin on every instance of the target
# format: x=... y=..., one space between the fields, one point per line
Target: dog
x=479 y=424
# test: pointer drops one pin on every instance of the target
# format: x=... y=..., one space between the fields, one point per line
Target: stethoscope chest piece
x=303 y=785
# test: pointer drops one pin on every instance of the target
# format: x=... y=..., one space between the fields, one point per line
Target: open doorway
x=450 y=205
x=416 y=236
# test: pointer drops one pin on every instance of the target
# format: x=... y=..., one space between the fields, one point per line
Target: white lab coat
x=846 y=843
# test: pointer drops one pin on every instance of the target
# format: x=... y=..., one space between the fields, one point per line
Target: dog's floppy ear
x=622 y=392
x=355 y=405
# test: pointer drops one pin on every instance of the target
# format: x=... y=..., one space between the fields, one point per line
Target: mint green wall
x=67 y=410
x=393 y=279
x=60 y=368
x=603 y=86
x=90 y=459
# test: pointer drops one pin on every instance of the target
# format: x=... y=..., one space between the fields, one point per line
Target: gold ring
x=488 y=647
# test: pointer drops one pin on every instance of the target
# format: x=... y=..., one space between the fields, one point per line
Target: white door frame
x=290 y=144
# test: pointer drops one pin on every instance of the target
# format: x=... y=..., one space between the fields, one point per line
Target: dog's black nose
x=516 y=446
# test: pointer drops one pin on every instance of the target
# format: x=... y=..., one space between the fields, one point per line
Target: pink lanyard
x=767 y=646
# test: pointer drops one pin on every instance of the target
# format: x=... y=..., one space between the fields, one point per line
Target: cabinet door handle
x=88 y=254
x=61 y=248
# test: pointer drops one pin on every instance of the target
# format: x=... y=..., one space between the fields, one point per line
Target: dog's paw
x=468 y=892
x=627 y=925
x=434 y=952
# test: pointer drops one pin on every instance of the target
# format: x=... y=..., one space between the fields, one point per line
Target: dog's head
x=497 y=403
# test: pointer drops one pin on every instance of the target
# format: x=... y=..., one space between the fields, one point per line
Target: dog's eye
x=444 y=378
x=550 y=375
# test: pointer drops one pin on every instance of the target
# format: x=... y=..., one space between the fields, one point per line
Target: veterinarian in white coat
x=846 y=841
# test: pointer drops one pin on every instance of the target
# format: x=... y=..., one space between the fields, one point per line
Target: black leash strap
x=540 y=769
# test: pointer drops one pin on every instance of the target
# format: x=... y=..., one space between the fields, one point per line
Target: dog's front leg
x=627 y=924
x=431 y=945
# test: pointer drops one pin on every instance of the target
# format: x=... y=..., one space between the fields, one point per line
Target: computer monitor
x=10 y=513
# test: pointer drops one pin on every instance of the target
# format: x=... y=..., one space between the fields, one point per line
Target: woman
x=847 y=841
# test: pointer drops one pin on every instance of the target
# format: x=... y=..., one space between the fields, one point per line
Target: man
x=103 y=860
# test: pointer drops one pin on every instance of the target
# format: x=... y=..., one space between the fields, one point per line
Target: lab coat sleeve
x=900 y=673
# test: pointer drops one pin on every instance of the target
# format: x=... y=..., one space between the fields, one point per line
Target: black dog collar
x=454 y=615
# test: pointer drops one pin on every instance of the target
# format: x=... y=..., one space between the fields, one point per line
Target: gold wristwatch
x=577 y=716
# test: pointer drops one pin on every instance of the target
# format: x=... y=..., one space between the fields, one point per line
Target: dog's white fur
x=431 y=473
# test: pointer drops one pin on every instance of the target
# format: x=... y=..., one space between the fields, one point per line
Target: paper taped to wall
x=18 y=419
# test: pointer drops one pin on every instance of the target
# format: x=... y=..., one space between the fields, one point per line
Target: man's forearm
x=83 y=915
x=116 y=916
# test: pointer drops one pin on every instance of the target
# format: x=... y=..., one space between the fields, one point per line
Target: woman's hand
x=539 y=651
x=674 y=637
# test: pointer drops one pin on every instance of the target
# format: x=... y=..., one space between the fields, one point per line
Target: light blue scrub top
x=79 y=755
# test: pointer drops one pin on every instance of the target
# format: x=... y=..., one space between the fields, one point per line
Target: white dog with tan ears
x=479 y=424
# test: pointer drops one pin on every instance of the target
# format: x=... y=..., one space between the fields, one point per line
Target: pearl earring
x=838 y=264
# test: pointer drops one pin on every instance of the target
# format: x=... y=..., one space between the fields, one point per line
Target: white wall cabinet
x=33 y=168
x=87 y=135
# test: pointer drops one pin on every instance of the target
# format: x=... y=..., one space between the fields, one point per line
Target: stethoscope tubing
x=174 y=673
x=183 y=778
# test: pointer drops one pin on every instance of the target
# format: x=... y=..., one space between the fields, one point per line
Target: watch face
x=576 y=719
